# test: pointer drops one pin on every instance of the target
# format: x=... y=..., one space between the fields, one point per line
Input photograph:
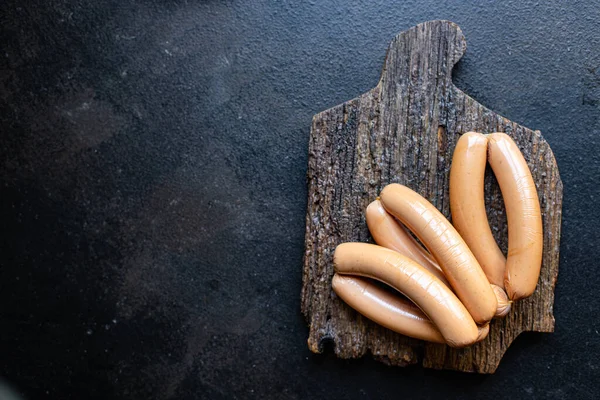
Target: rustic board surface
x=404 y=130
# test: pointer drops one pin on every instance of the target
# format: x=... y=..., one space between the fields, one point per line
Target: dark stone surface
x=153 y=192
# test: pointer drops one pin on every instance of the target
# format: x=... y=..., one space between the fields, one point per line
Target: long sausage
x=385 y=309
x=392 y=312
x=525 y=238
x=445 y=244
x=434 y=298
x=467 y=205
x=389 y=233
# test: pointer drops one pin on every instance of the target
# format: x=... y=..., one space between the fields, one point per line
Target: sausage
x=392 y=312
x=445 y=244
x=389 y=233
x=504 y=304
x=525 y=238
x=467 y=205
x=434 y=298
x=385 y=309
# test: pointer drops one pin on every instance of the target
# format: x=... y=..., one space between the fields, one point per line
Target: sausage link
x=389 y=233
x=467 y=205
x=525 y=231
x=448 y=248
x=434 y=298
x=392 y=312
x=384 y=308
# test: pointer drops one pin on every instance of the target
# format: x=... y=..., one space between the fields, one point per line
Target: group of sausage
x=460 y=279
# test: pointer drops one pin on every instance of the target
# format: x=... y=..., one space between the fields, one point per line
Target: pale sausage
x=525 y=238
x=445 y=244
x=389 y=233
x=385 y=309
x=467 y=205
x=388 y=310
x=434 y=298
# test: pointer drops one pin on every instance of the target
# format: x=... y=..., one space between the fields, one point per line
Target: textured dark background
x=152 y=190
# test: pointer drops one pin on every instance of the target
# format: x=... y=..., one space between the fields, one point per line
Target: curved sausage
x=388 y=232
x=392 y=312
x=525 y=239
x=385 y=309
x=467 y=205
x=447 y=247
x=425 y=290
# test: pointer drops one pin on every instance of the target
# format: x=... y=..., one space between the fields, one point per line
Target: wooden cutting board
x=404 y=130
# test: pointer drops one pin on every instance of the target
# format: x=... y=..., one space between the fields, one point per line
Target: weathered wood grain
x=404 y=130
